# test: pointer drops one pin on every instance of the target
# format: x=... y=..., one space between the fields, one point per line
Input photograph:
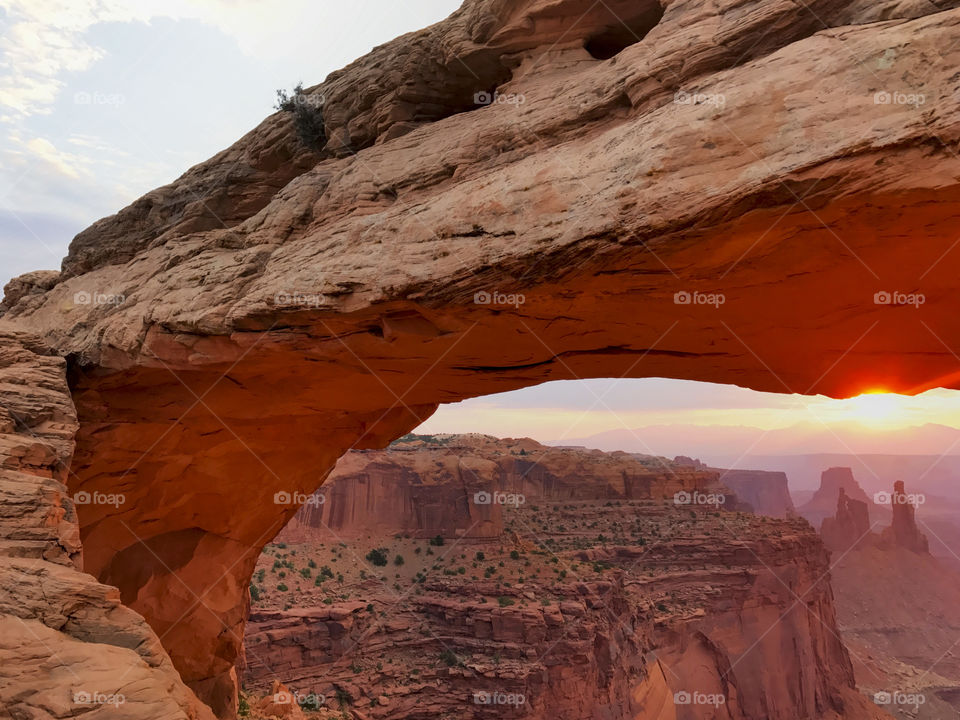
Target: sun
x=875 y=407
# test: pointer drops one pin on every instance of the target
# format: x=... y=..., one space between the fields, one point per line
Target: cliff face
x=457 y=487
x=823 y=504
x=639 y=609
x=441 y=248
x=766 y=492
x=849 y=527
x=67 y=645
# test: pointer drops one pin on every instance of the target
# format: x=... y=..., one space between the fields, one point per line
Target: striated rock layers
x=582 y=606
x=458 y=486
x=67 y=645
x=230 y=335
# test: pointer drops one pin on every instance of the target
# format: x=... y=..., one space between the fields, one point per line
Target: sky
x=574 y=411
x=103 y=100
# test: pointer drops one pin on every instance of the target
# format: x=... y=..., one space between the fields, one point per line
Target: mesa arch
x=281 y=306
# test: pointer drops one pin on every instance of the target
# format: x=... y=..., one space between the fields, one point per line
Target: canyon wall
x=721 y=193
x=67 y=644
x=660 y=609
x=766 y=492
x=423 y=487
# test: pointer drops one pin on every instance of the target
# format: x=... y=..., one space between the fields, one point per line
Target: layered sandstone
x=276 y=298
x=623 y=609
x=67 y=644
x=451 y=485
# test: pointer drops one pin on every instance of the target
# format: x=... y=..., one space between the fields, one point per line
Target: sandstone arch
x=281 y=307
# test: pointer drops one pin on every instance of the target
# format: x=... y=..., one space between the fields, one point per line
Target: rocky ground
x=588 y=607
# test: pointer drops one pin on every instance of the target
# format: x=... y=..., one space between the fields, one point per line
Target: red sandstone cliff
x=424 y=488
x=587 y=599
x=823 y=504
x=67 y=645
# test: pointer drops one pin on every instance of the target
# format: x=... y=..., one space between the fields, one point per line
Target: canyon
x=229 y=336
x=575 y=582
x=895 y=601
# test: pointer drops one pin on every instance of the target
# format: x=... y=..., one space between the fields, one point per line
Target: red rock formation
x=849 y=527
x=903 y=531
x=705 y=609
x=67 y=645
x=823 y=504
x=766 y=492
x=327 y=301
x=425 y=488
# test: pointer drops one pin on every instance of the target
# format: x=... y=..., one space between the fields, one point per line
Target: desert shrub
x=449 y=658
x=437 y=541
x=282 y=587
x=505 y=601
x=377 y=556
x=254 y=593
x=480 y=555
x=398 y=560
x=307 y=115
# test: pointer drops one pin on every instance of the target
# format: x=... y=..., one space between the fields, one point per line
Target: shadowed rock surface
x=67 y=645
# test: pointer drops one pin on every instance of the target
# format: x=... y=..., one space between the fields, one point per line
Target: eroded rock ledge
x=230 y=335
x=67 y=645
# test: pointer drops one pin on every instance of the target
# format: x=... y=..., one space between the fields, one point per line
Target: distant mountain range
x=927 y=454
x=800 y=439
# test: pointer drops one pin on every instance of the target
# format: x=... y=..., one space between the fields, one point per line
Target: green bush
x=307 y=115
x=398 y=560
x=254 y=593
x=377 y=556
x=282 y=588
x=437 y=541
